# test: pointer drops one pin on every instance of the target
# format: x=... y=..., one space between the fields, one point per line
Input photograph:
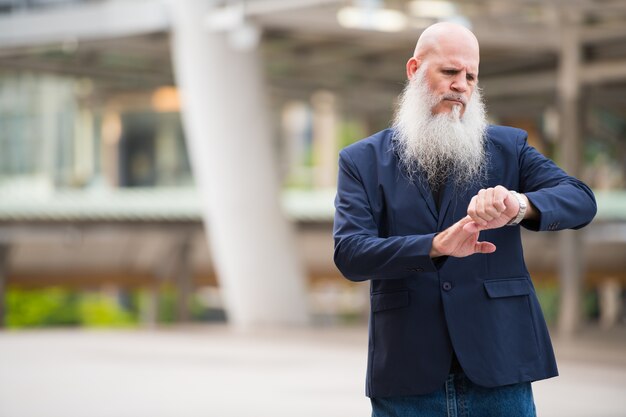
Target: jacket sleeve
x=563 y=202
x=360 y=254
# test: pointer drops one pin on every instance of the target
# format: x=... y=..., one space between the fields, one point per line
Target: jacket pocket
x=389 y=300
x=510 y=287
x=512 y=327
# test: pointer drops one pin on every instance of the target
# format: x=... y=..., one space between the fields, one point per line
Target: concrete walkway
x=212 y=371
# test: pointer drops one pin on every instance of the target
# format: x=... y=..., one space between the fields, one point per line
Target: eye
x=470 y=77
x=450 y=71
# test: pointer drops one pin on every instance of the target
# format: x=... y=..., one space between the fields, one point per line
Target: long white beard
x=439 y=145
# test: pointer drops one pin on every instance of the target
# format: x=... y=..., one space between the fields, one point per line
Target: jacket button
x=447 y=286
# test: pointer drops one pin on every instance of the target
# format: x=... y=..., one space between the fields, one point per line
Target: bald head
x=448 y=54
x=440 y=37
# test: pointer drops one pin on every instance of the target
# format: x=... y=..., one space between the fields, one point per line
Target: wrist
x=523 y=204
x=434 y=249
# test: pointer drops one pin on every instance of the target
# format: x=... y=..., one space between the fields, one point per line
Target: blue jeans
x=460 y=397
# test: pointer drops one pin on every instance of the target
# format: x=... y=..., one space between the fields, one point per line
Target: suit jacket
x=483 y=305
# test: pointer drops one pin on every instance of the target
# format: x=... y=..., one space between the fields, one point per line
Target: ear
x=412 y=65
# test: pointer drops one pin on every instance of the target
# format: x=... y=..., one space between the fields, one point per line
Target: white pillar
x=325 y=139
x=571 y=267
x=232 y=157
x=610 y=294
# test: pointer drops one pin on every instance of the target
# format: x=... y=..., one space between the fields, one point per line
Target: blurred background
x=167 y=175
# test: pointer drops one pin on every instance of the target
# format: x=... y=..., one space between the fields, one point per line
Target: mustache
x=455 y=97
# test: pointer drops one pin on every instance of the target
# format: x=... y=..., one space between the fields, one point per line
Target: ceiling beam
x=603 y=33
x=516 y=85
x=604 y=72
x=118 y=77
x=543 y=81
x=109 y=19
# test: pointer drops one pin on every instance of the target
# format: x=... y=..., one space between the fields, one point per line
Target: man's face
x=452 y=74
x=444 y=145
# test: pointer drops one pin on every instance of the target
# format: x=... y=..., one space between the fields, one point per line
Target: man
x=429 y=212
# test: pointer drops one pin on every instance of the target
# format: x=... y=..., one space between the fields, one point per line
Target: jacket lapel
x=446 y=198
x=422 y=185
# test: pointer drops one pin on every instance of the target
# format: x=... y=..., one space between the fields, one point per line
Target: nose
x=459 y=84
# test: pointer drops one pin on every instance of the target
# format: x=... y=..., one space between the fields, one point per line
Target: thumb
x=484 y=247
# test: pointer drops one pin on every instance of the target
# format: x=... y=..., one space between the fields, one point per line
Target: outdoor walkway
x=211 y=371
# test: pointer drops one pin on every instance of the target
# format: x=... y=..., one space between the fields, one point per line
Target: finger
x=500 y=195
x=484 y=247
x=482 y=216
x=497 y=200
x=487 y=204
x=496 y=205
x=452 y=237
x=472 y=227
x=471 y=209
x=511 y=203
x=492 y=210
x=489 y=196
x=459 y=225
x=465 y=220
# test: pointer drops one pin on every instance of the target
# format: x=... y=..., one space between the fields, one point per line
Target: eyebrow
x=457 y=69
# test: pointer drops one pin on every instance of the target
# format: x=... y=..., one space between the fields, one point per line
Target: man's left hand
x=491 y=208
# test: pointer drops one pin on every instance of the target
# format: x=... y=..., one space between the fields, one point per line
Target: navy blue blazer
x=483 y=305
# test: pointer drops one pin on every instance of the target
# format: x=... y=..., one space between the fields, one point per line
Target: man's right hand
x=456 y=241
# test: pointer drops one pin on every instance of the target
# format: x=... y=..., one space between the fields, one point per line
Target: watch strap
x=522 y=210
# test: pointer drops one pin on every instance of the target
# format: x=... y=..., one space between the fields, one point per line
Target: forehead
x=456 y=62
x=460 y=55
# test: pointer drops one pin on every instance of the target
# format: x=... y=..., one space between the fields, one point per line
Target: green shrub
x=548 y=295
x=97 y=310
x=61 y=307
x=39 y=308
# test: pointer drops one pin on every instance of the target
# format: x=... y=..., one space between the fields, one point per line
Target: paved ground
x=212 y=371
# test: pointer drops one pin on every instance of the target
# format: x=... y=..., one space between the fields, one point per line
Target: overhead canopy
x=124 y=44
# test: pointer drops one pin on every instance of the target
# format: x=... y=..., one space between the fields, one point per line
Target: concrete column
x=296 y=120
x=150 y=304
x=325 y=139
x=183 y=280
x=570 y=127
x=4 y=266
x=232 y=157
x=610 y=295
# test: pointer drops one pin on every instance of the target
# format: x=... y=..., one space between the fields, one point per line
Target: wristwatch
x=522 y=210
